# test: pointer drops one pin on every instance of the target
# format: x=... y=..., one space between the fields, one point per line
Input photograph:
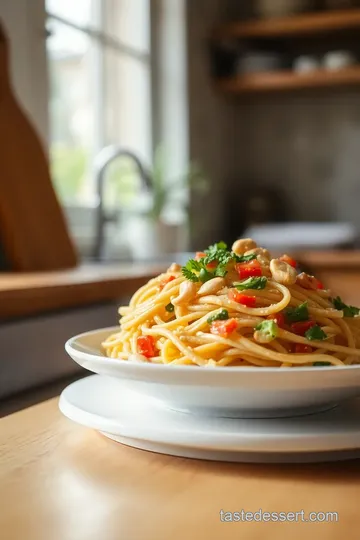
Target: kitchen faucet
x=105 y=157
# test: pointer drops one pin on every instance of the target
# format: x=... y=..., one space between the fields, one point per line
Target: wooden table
x=60 y=481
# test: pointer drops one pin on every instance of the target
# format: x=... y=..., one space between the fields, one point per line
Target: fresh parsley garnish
x=170 y=308
x=222 y=315
x=255 y=283
x=349 y=311
x=217 y=253
x=315 y=333
x=298 y=313
x=322 y=364
x=244 y=258
x=188 y=274
x=269 y=329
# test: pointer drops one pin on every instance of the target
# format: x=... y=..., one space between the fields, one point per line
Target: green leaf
x=170 y=308
x=205 y=275
x=189 y=275
x=315 y=333
x=268 y=329
x=220 y=271
x=222 y=315
x=255 y=283
x=244 y=258
x=299 y=313
x=322 y=364
x=349 y=311
x=194 y=265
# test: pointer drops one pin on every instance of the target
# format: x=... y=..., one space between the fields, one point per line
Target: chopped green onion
x=255 y=283
x=268 y=329
x=205 y=275
x=299 y=313
x=315 y=333
x=222 y=315
x=244 y=258
x=349 y=311
x=322 y=364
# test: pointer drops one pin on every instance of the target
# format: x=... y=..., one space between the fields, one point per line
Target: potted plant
x=157 y=221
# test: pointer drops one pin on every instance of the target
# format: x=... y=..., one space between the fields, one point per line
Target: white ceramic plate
x=242 y=392
x=105 y=404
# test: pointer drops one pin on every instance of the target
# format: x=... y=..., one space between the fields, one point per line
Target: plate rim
x=250 y=442
x=149 y=367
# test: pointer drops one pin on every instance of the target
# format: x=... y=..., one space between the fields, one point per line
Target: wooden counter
x=23 y=294
x=61 y=481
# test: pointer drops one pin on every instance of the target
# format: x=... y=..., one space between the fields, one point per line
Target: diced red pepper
x=146 y=346
x=240 y=298
x=279 y=319
x=249 y=269
x=319 y=284
x=301 y=327
x=212 y=265
x=166 y=280
x=289 y=260
x=224 y=328
x=302 y=349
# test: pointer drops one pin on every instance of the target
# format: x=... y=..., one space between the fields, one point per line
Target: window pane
x=75 y=11
x=128 y=119
x=70 y=55
x=128 y=21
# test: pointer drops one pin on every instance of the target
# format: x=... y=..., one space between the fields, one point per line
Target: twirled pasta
x=224 y=328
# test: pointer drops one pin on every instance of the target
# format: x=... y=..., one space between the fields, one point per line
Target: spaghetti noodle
x=236 y=308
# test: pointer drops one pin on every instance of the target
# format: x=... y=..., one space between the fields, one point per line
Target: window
x=100 y=91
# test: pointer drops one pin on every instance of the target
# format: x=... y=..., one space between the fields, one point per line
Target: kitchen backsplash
x=306 y=144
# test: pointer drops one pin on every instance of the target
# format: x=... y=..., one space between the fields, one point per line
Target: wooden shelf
x=289 y=81
x=296 y=25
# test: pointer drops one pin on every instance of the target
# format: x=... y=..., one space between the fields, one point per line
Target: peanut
x=242 y=245
x=212 y=286
x=174 y=268
x=282 y=272
x=306 y=281
x=187 y=291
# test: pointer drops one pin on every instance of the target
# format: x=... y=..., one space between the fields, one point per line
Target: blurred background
x=145 y=129
x=248 y=110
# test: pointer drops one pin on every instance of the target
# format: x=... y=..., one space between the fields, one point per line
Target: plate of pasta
x=233 y=332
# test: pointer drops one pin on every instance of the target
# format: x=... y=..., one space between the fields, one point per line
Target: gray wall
x=307 y=144
x=212 y=122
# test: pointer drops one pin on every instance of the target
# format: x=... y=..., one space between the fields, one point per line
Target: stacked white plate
x=231 y=414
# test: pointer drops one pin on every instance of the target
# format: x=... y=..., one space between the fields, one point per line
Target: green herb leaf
x=349 y=311
x=244 y=258
x=189 y=275
x=222 y=315
x=299 y=313
x=194 y=265
x=321 y=364
x=220 y=271
x=255 y=283
x=268 y=329
x=315 y=333
x=205 y=275
x=170 y=308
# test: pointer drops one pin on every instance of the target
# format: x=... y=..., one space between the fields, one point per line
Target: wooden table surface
x=60 y=481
